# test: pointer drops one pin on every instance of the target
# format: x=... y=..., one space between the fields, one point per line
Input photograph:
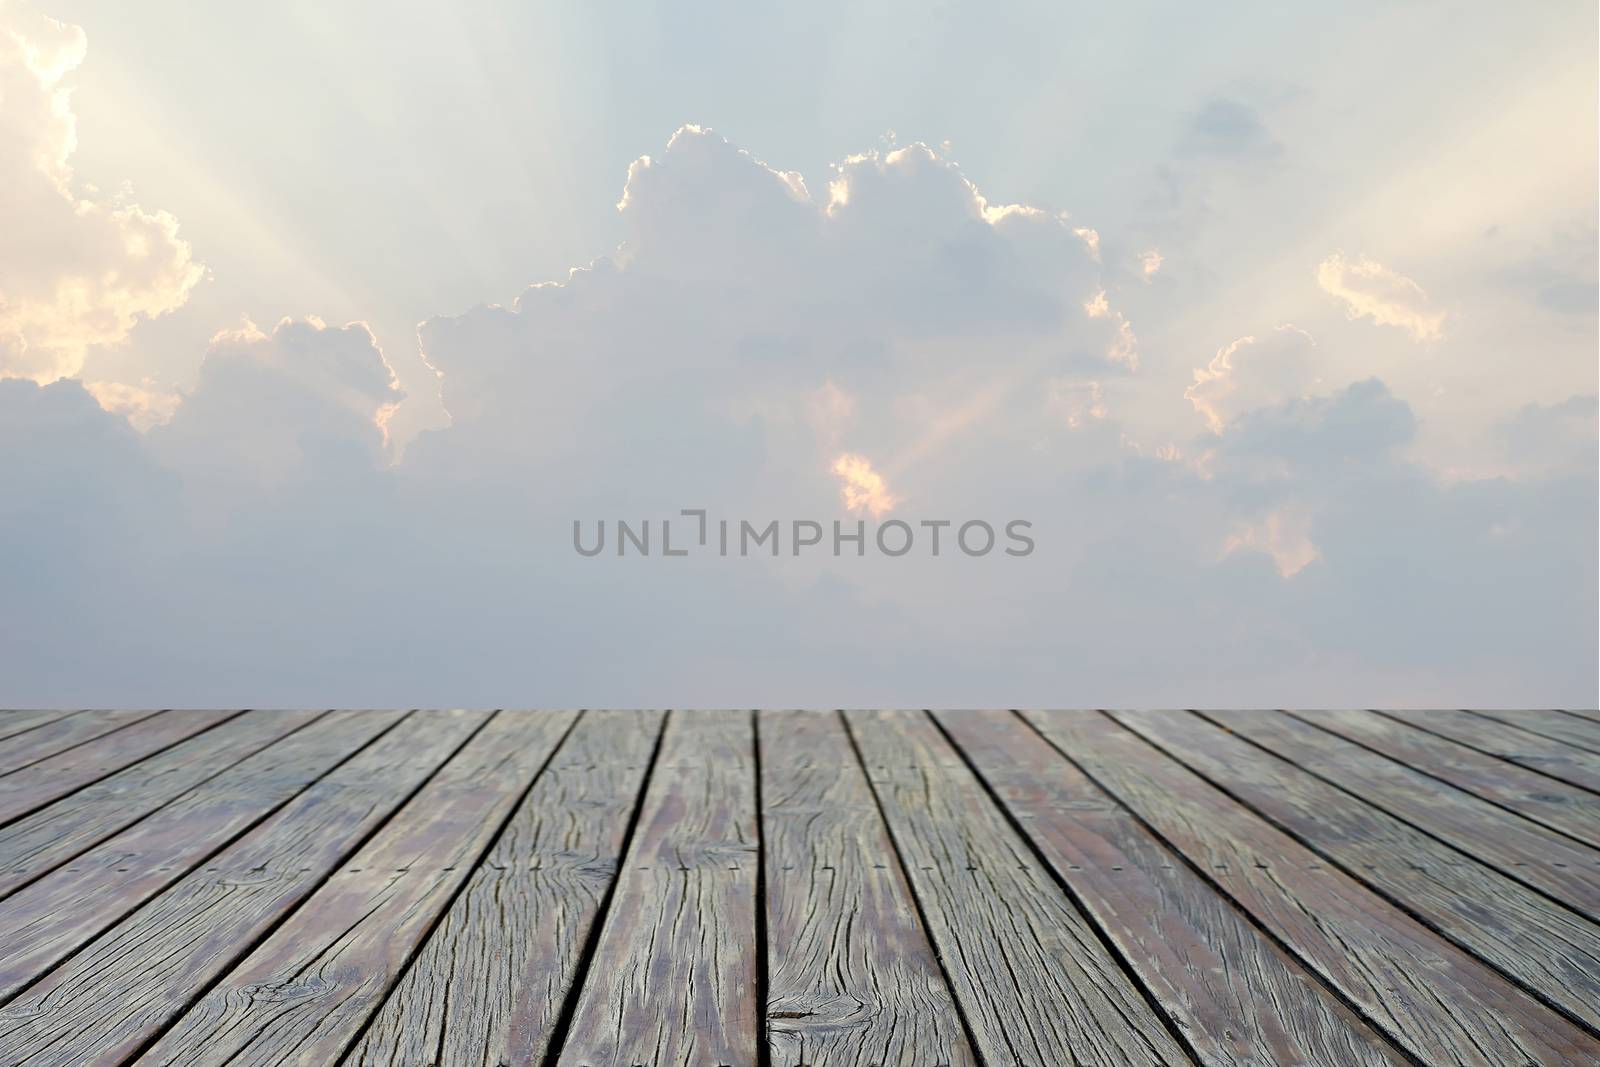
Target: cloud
x=142 y=405
x=1150 y=263
x=738 y=296
x=862 y=488
x=752 y=342
x=1283 y=535
x=1550 y=440
x=1251 y=373
x=1369 y=290
x=61 y=453
x=1124 y=346
x=265 y=405
x=78 y=268
x=1320 y=437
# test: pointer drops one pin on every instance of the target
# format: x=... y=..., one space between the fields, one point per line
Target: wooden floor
x=896 y=889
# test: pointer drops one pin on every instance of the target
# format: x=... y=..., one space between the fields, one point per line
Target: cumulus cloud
x=143 y=405
x=78 y=268
x=266 y=404
x=901 y=294
x=1369 y=290
x=885 y=341
x=62 y=455
x=1251 y=373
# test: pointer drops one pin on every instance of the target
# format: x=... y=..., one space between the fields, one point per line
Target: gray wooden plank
x=50 y=918
x=852 y=979
x=1546 y=949
x=1035 y=983
x=1438 y=1002
x=123 y=988
x=488 y=986
x=305 y=993
x=37 y=843
x=32 y=787
x=1237 y=997
x=1549 y=862
x=1550 y=758
x=62 y=734
x=1567 y=729
x=1561 y=807
x=1588 y=715
x=673 y=979
x=21 y=720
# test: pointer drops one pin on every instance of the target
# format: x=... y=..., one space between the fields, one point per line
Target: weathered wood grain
x=852 y=979
x=1567 y=729
x=1546 y=949
x=1550 y=758
x=14 y=722
x=1037 y=986
x=35 y=844
x=126 y=986
x=1237 y=997
x=1549 y=862
x=1564 y=808
x=337 y=888
x=304 y=995
x=62 y=734
x=48 y=919
x=673 y=979
x=489 y=985
x=32 y=787
x=1435 y=1000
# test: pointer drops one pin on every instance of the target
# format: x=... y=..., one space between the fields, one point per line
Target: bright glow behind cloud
x=1370 y=290
x=862 y=488
x=77 y=268
x=1285 y=535
x=1274 y=367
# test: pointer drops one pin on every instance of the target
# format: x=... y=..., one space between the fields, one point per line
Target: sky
x=321 y=325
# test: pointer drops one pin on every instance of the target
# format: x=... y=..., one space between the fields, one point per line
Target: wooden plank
x=673 y=979
x=34 y=845
x=68 y=907
x=51 y=738
x=1551 y=863
x=1561 y=807
x=1438 y=1002
x=21 y=720
x=1035 y=983
x=1586 y=714
x=1553 y=725
x=30 y=788
x=1546 y=949
x=123 y=988
x=304 y=995
x=852 y=979
x=1550 y=758
x=1238 y=998
x=488 y=986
